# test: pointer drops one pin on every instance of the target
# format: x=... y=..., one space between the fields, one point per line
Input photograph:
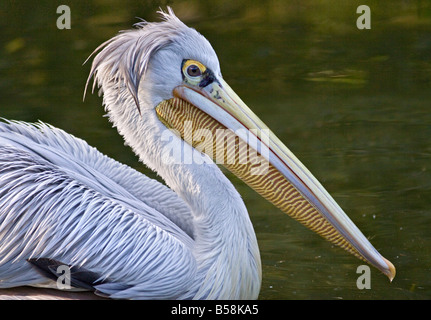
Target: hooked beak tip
x=390 y=273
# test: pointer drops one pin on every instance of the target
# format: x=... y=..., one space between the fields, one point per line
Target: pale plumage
x=61 y=199
x=78 y=209
x=123 y=234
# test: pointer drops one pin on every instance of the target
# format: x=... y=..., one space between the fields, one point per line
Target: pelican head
x=150 y=60
x=166 y=76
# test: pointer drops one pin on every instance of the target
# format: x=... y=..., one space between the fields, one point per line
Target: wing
x=52 y=207
x=87 y=164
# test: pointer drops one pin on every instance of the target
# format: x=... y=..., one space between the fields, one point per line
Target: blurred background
x=353 y=105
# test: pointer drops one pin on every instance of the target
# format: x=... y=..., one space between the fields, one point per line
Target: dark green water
x=353 y=105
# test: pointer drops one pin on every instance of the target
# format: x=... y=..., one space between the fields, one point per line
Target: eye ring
x=194 y=71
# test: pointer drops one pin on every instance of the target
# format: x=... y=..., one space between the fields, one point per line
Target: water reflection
x=353 y=105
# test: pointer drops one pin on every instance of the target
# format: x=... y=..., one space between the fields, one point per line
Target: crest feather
x=123 y=60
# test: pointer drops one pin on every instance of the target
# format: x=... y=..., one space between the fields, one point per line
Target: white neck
x=225 y=246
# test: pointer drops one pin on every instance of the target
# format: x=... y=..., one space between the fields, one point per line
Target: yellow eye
x=193 y=69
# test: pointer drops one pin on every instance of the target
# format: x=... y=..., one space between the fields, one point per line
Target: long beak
x=273 y=170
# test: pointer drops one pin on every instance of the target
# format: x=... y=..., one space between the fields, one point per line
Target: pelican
x=65 y=207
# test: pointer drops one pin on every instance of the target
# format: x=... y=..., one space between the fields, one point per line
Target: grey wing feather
x=45 y=212
x=88 y=164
